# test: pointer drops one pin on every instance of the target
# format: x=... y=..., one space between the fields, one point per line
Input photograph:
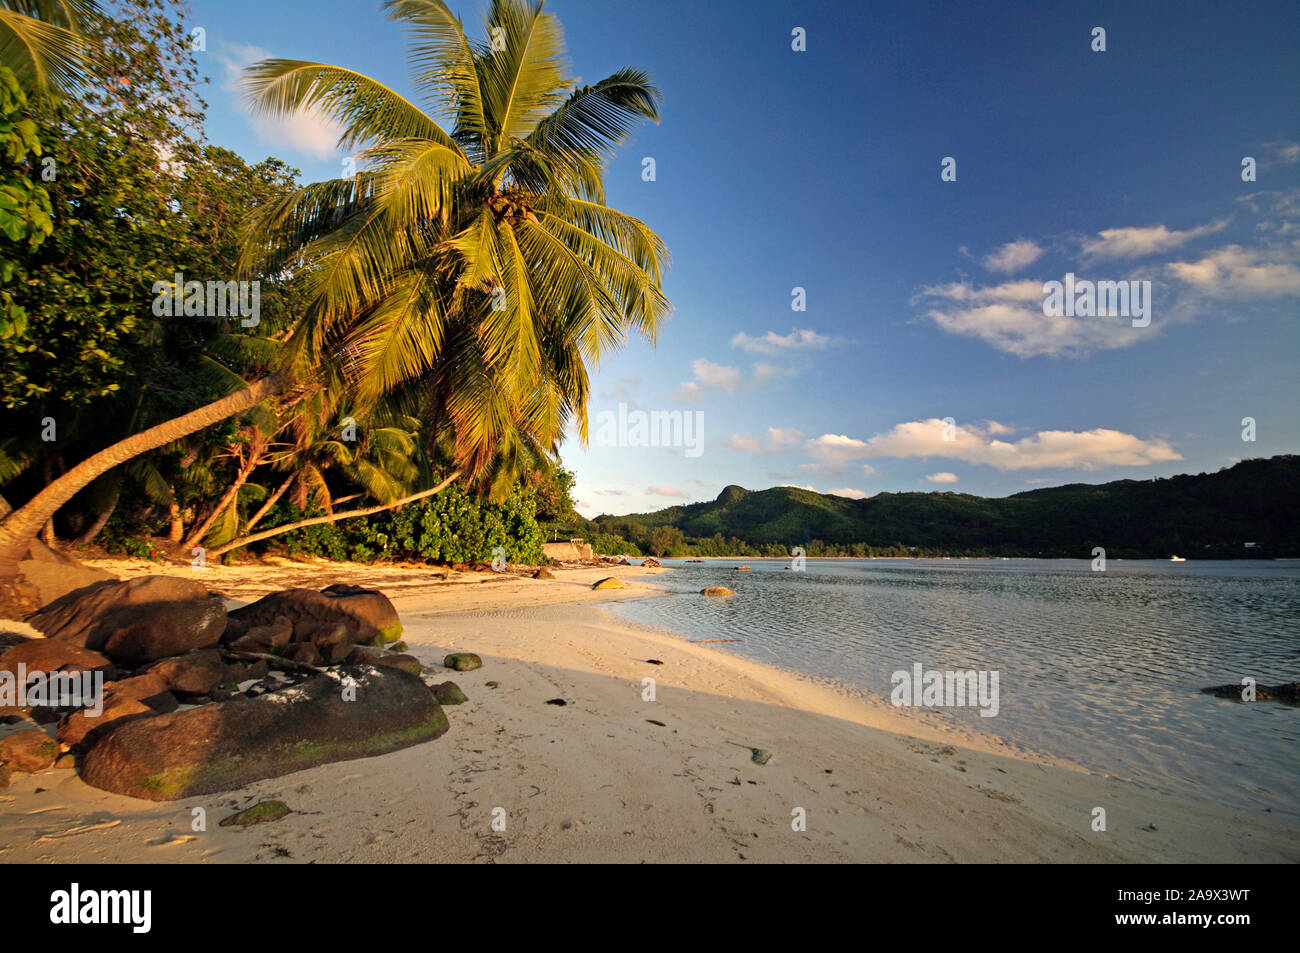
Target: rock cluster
x=197 y=701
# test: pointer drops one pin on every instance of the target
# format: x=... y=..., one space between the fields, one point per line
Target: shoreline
x=610 y=776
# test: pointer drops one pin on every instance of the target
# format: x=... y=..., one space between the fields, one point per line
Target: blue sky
x=820 y=169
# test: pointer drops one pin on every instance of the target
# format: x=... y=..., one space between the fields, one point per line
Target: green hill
x=1209 y=515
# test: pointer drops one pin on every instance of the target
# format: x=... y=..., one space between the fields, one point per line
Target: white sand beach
x=597 y=780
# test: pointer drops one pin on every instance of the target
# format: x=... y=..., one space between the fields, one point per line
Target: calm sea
x=1100 y=668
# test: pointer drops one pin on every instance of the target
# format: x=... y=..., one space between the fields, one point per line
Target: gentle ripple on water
x=1101 y=668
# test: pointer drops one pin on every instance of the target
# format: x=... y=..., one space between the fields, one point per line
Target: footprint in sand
x=171 y=841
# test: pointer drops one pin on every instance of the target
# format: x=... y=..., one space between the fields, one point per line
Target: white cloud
x=799 y=339
x=742 y=444
x=763 y=373
x=716 y=375
x=836 y=448
x=1236 y=271
x=1010 y=317
x=796 y=486
x=309 y=131
x=1087 y=450
x=664 y=491
x=1136 y=242
x=689 y=393
x=944 y=477
x=849 y=493
x=1279 y=153
x=778 y=439
x=1013 y=256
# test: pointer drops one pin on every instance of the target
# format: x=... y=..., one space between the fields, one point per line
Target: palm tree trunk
x=101 y=520
x=316 y=520
x=270 y=502
x=176 y=529
x=226 y=501
x=18 y=528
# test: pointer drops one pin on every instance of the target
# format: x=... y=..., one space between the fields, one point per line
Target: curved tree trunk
x=270 y=502
x=101 y=520
x=227 y=499
x=18 y=528
x=316 y=520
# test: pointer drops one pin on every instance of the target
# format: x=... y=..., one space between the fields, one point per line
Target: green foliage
x=609 y=544
x=667 y=541
x=25 y=212
x=554 y=494
x=452 y=526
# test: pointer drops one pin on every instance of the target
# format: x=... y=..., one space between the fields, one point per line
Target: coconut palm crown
x=478 y=268
x=40 y=40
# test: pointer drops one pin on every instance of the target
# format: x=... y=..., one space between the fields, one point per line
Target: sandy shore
x=598 y=780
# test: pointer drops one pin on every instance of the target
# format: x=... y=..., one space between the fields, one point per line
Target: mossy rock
x=448 y=693
x=227 y=746
x=407 y=663
x=717 y=591
x=399 y=646
x=462 y=661
x=258 y=814
x=609 y=582
x=389 y=633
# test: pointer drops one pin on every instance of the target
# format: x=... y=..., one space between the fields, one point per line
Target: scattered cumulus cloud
x=1013 y=256
x=777 y=441
x=742 y=444
x=1137 y=242
x=1235 y=271
x=944 y=477
x=1055 y=449
x=799 y=339
x=1010 y=318
x=665 y=491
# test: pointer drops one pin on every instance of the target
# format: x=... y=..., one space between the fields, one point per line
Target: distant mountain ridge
x=1208 y=515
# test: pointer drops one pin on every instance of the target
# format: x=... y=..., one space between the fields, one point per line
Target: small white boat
x=1177 y=559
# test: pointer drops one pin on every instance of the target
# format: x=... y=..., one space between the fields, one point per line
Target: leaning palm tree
x=41 y=40
x=480 y=266
x=482 y=262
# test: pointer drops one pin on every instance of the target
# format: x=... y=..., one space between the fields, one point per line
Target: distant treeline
x=1251 y=510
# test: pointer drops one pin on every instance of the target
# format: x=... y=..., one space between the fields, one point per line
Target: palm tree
x=481 y=265
x=480 y=269
x=40 y=40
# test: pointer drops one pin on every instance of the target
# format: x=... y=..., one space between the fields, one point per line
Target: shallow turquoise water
x=1101 y=668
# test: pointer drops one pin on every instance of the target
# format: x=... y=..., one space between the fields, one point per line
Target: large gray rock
x=194 y=674
x=366 y=615
x=137 y=621
x=227 y=745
